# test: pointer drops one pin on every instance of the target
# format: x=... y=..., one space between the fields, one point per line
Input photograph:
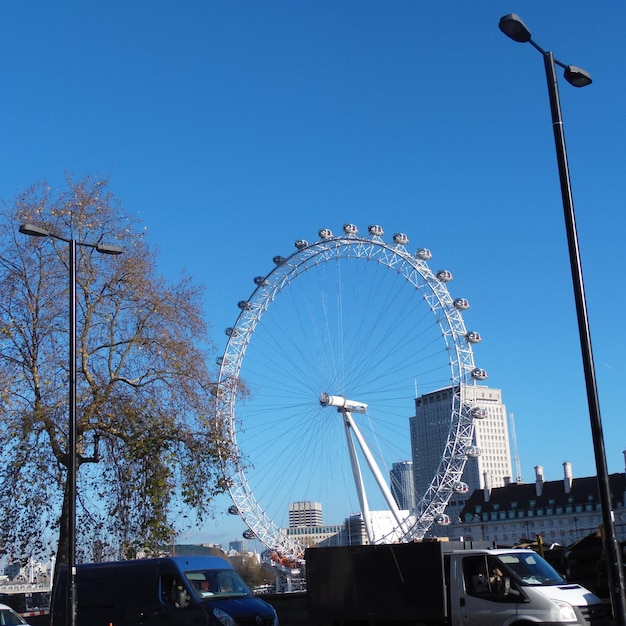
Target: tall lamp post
x=512 y=26
x=36 y=231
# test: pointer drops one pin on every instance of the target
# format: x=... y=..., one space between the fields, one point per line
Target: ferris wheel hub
x=343 y=404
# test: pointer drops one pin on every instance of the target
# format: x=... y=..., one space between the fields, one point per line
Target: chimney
x=539 y=479
x=507 y=480
x=567 y=476
x=487 y=488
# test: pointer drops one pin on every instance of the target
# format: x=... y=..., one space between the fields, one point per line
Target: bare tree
x=147 y=447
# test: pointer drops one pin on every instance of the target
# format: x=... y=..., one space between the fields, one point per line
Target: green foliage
x=148 y=449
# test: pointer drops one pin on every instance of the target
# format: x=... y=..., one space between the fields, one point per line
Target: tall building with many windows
x=305 y=513
x=429 y=432
x=403 y=485
x=238 y=545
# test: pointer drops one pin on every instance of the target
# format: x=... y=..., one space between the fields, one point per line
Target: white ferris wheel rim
x=447 y=311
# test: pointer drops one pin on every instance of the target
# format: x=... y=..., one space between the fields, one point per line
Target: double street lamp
x=36 y=231
x=512 y=26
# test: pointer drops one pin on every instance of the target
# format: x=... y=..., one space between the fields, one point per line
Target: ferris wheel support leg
x=358 y=480
x=382 y=485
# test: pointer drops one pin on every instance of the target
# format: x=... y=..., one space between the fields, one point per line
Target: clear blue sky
x=234 y=128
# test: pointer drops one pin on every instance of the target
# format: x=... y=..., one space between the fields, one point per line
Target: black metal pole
x=611 y=545
x=72 y=457
x=71 y=446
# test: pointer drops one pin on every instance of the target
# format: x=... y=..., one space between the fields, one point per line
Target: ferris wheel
x=318 y=381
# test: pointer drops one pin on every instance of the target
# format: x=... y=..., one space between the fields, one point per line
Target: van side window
x=484 y=577
x=173 y=591
x=475 y=575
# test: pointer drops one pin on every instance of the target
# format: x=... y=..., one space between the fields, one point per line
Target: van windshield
x=214 y=584
x=531 y=569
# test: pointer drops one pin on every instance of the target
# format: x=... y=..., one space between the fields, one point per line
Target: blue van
x=173 y=591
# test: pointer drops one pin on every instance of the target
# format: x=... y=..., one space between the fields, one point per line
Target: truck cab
x=500 y=587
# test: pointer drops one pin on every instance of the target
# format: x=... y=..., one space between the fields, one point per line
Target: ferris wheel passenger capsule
x=249 y=534
x=460 y=487
x=473 y=337
x=233 y=509
x=400 y=239
x=444 y=276
x=219 y=360
x=325 y=233
x=261 y=281
x=350 y=229
x=301 y=244
x=461 y=304
x=479 y=374
x=230 y=332
x=278 y=260
x=375 y=230
x=424 y=254
x=244 y=305
x=442 y=519
x=478 y=412
x=473 y=452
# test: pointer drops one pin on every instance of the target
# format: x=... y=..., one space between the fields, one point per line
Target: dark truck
x=443 y=583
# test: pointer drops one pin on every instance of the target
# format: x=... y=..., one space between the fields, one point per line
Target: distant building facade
x=350 y=533
x=403 y=485
x=561 y=511
x=238 y=545
x=322 y=536
x=429 y=429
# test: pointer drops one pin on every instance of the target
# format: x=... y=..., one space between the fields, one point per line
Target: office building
x=238 y=545
x=429 y=432
x=305 y=514
x=403 y=485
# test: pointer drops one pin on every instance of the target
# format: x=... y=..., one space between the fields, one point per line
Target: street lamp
x=37 y=231
x=512 y=26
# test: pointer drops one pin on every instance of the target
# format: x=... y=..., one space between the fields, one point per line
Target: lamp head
x=33 y=231
x=512 y=26
x=577 y=76
x=104 y=249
